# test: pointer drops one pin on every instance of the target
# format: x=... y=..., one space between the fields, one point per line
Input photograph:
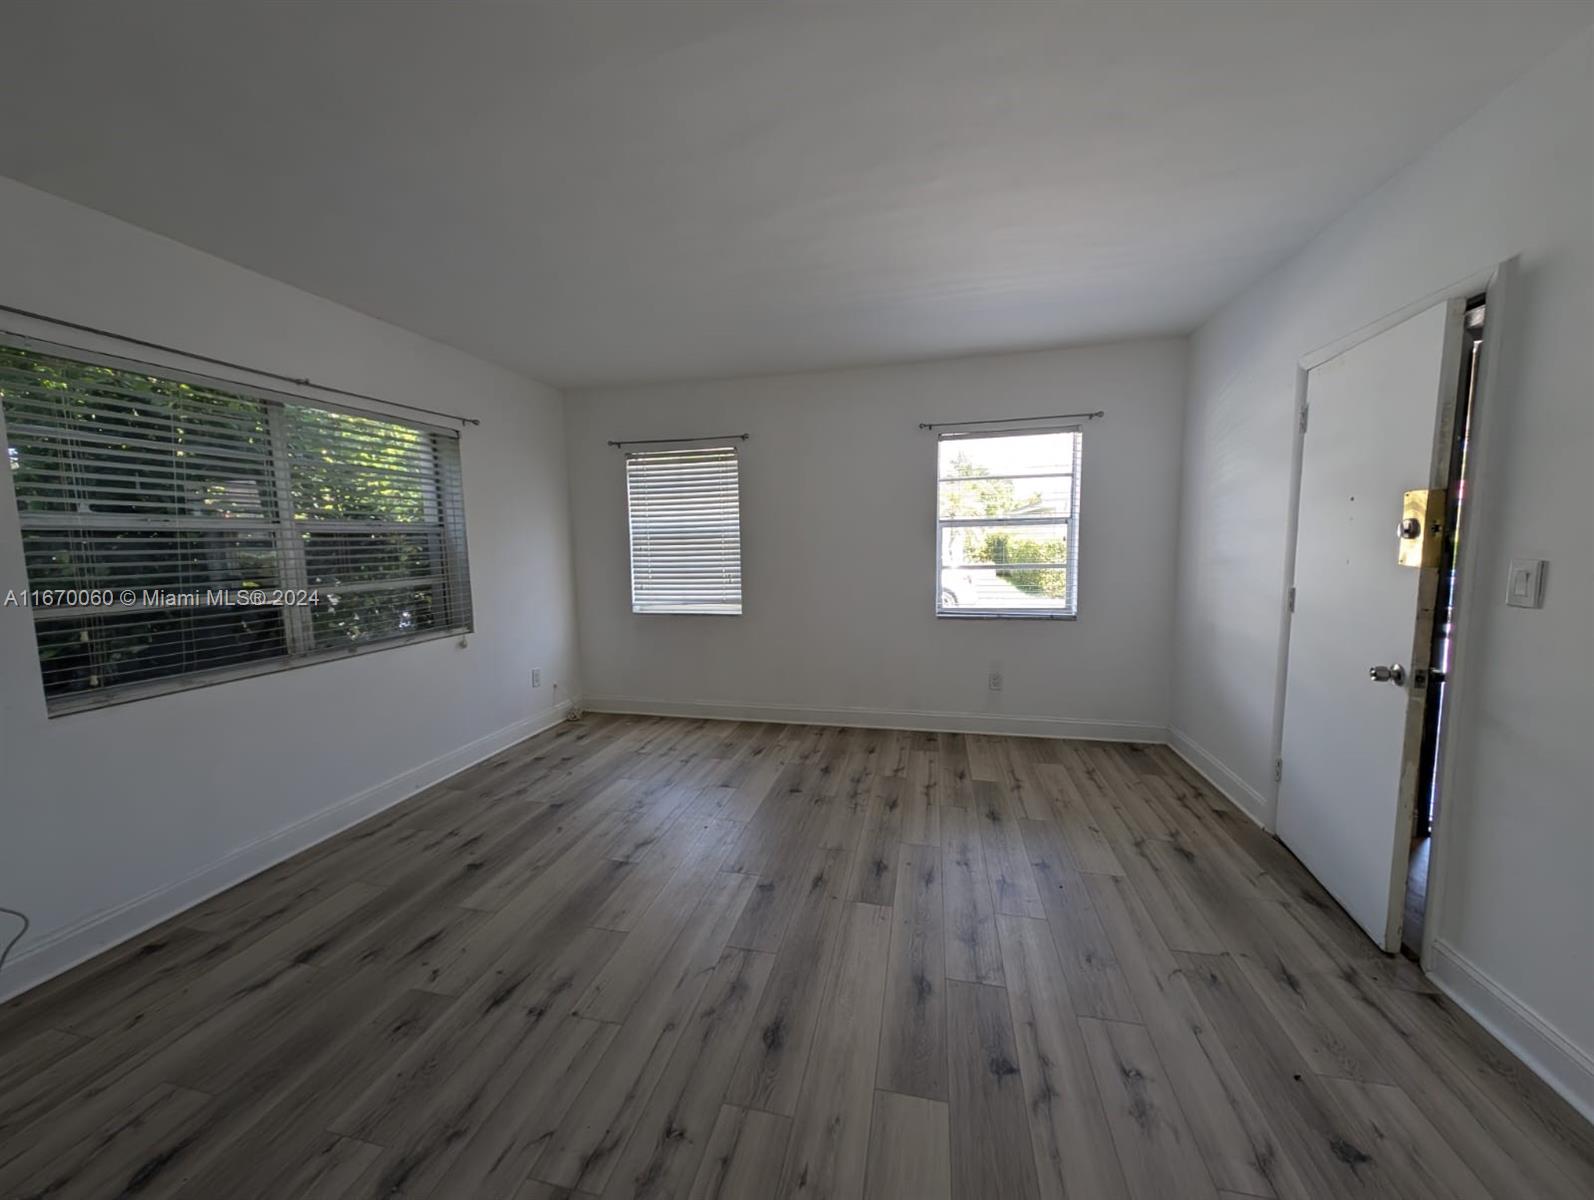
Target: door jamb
x=1497 y=282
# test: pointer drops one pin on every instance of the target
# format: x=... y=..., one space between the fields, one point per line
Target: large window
x=1007 y=524
x=177 y=531
x=686 y=530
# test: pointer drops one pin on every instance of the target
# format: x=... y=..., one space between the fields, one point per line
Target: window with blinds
x=178 y=531
x=1007 y=524
x=686 y=530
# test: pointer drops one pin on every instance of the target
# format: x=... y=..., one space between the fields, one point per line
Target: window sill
x=1006 y=616
x=78 y=702
x=685 y=612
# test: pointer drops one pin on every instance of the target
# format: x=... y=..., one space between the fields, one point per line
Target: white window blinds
x=177 y=532
x=1007 y=524
x=686 y=530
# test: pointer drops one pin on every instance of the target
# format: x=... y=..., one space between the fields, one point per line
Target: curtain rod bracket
x=1079 y=416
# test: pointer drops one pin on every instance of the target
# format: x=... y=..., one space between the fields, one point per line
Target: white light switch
x=1525 y=583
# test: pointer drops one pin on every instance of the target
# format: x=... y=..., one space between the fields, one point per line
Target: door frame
x=1497 y=283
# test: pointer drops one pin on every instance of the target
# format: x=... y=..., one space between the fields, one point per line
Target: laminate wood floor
x=656 y=957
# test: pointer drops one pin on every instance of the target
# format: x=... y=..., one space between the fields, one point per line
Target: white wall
x=838 y=512
x=1517 y=177
x=112 y=819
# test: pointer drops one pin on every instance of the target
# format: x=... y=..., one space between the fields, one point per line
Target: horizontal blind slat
x=172 y=492
x=1007 y=511
x=685 y=517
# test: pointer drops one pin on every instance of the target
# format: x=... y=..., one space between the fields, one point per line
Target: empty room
x=891 y=599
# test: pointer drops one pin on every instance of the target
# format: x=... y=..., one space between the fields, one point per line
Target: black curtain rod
x=1079 y=416
x=718 y=437
x=220 y=362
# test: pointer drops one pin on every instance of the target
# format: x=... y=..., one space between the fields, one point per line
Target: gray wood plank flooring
x=650 y=957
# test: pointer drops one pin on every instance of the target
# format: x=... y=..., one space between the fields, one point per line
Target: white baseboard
x=883 y=718
x=1239 y=793
x=63 y=949
x=1545 y=1050
x=1549 y=1054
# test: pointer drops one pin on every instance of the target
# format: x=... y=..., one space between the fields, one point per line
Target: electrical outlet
x=536 y=677
x=995 y=681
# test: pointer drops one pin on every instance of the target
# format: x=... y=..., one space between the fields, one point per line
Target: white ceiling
x=620 y=190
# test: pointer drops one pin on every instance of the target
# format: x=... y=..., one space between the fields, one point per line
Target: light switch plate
x=1524 y=586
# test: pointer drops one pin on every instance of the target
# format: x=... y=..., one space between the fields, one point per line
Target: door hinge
x=1305 y=409
x=1278 y=770
x=1292 y=599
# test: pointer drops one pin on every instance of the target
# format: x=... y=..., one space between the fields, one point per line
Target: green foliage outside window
x=1010 y=546
x=998 y=498
x=128 y=480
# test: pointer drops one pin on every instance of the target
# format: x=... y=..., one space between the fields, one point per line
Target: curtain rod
x=218 y=362
x=1079 y=416
x=718 y=437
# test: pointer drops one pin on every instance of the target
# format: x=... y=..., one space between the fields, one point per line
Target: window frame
x=298 y=638
x=708 y=444
x=1069 y=611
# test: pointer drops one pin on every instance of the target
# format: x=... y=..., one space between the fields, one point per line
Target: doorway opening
x=1429 y=797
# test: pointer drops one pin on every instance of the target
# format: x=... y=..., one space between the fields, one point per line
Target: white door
x=1379 y=423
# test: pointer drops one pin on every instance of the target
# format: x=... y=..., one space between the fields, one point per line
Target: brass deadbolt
x=1421 y=529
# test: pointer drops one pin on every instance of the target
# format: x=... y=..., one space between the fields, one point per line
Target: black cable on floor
x=23 y=917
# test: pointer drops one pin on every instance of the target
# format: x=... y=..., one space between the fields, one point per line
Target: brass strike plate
x=1422 y=528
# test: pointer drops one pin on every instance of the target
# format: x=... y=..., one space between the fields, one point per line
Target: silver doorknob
x=1394 y=673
